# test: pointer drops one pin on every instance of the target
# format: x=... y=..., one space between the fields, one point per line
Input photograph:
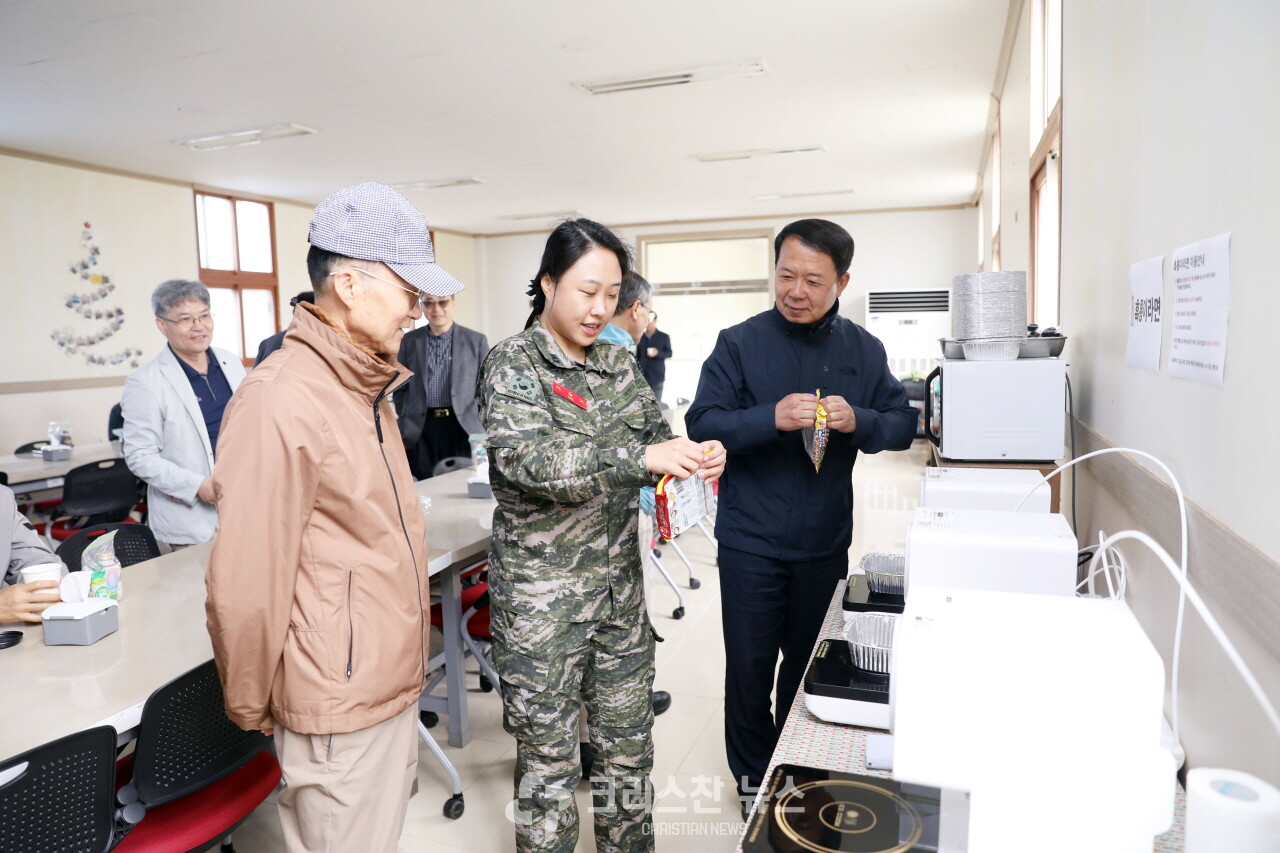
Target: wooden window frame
x=238 y=280
x=1050 y=144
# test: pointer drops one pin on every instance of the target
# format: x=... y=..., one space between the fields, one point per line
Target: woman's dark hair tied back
x=566 y=245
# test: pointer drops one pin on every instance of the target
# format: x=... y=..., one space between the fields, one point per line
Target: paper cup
x=42 y=572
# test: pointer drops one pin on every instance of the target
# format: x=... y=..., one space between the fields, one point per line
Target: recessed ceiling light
x=776 y=196
x=679 y=77
x=436 y=185
x=725 y=156
x=250 y=136
x=553 y=214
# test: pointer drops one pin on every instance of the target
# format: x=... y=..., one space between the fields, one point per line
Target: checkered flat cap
x=372 y=222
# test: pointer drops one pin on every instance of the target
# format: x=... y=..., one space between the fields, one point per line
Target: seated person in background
x=172 y=413
x=21 y=546
x=273 y=343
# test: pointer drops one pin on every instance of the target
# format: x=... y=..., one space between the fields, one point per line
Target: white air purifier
x=984 y=488
x=991 y=550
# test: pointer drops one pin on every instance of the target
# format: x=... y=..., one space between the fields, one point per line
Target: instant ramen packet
x=100 y=561
x=815 y=437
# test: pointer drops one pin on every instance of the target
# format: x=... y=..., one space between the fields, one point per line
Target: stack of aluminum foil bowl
x=989 y=314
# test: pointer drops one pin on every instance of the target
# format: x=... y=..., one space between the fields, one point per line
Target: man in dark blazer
x=437 y=407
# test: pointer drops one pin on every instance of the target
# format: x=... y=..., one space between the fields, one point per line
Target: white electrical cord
x=1112 y=562
x=1182 y=596
x=1198 y=603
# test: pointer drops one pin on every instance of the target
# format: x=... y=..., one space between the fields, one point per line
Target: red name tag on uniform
x=571 y=396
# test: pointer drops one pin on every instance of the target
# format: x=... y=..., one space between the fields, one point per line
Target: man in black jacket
x=652 y=353
x=437 y=407
x=784 y=528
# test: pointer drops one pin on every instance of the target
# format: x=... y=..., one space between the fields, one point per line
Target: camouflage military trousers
x=547 y=668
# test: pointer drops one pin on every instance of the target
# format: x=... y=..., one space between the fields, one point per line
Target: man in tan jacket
x=317 y=583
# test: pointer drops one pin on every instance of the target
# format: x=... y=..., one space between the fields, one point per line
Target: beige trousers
x=349 y=791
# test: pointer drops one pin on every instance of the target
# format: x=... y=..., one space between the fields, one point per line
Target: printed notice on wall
x=1146 y=297
x=1201 y=299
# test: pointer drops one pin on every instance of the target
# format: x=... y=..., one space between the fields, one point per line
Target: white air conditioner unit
x=909 y=323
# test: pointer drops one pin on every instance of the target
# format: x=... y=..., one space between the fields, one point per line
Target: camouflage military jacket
x=566 y=446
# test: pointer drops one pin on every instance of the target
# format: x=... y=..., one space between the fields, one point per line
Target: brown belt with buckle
x=440 y=413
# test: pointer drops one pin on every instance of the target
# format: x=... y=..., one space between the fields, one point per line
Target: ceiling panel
x=406 y=90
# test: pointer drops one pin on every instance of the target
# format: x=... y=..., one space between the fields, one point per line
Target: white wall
x=909 y=249
x=1170 y=131
x=459 y=254
x=145 y=231
x=292 y=223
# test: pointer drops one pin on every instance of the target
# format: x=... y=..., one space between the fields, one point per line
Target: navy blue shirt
x=213 y=393
x=772 y=501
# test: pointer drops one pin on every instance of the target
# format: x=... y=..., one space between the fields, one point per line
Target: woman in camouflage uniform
x=573 y=431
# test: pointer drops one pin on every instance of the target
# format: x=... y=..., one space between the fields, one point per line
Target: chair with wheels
x=474 y=620
x=33 y=446
x=133 y=544
x=451 y=463
x=60 y=796
x=476 y=637
x=115 y=423
x=44 y=505
x=103 y=491
x=196 y=774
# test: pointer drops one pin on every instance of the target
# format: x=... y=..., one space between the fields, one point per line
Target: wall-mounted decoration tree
x=89 y=304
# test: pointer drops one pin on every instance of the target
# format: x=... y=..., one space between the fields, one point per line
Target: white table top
x=27 y=469
x=162 y=632
x=51 y=691
x=458 y=527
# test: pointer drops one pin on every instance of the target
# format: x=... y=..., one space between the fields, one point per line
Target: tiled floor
x=696 y=806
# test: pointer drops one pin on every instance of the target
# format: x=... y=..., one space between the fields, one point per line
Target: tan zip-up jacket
x=317 y=584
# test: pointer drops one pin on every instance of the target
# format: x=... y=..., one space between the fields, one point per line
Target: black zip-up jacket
x=772 y=502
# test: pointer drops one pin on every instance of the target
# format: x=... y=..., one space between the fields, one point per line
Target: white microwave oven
x=998 y=410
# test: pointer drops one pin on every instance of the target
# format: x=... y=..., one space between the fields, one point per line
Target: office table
x=52 y=691
x=811 y=742
x=31 y=473
x=458 y=535
x=47 y=692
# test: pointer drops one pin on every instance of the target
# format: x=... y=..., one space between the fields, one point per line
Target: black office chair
x=133 y=544
x=33 y=446
x=64 y=798
x=115 y=421
x=98 y=492
x=452 y=463
x=47 y=504
x=197 y=774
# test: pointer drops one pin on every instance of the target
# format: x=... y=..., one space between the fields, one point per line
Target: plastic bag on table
x=100 y=561
x=815 y=437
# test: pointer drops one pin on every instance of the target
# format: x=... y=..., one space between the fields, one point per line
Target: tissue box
x=478 y=490
x=80 y=623
x=55 y=453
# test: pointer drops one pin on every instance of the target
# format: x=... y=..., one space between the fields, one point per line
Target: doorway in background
x=704 y=283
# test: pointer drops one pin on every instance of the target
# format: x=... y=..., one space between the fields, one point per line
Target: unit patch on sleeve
x=522 y=388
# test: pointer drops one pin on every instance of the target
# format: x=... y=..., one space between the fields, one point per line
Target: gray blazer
x=20 y=545
x=469 y=349
x=166 y=444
